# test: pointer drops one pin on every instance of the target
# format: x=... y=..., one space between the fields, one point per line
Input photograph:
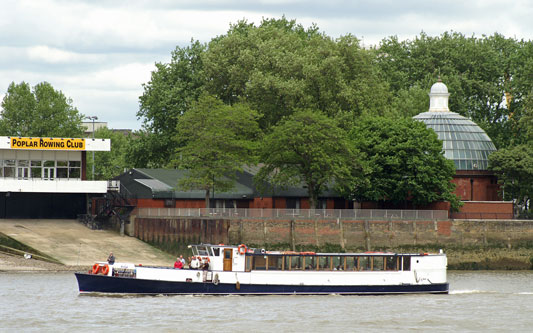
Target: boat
x=239 y=270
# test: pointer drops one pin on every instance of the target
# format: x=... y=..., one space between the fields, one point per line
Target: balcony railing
x=256 y=213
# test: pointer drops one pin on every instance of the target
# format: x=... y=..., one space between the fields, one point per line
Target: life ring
x=96 y=268
x=105 y=269
x=242 y=249
x=207 y=259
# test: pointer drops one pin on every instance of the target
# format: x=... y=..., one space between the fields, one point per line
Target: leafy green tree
x=215 y=141
x=306 y=148
x=280 y=67
x=167 y=96
x=488 y=77
x=403 y=161
x=108 y=164
x=514 y=167
x=40 y=111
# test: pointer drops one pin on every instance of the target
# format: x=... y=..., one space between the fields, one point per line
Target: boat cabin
x=243 y=259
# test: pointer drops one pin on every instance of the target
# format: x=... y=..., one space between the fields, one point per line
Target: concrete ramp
x=72 y=243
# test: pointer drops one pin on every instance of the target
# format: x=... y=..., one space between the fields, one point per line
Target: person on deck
x=178 y=264
x=111 y=259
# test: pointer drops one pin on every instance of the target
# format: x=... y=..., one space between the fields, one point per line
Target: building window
x=292 y=203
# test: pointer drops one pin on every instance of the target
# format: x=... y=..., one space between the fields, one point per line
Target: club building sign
x=47 y=143
x=53 y=144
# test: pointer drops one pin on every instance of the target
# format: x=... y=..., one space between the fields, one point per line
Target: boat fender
x=242 y=249
x=105 y=269
x=215 y=280
x=238 y=285
x=96 y=269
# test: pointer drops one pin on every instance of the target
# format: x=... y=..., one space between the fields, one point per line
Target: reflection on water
x=478 y=301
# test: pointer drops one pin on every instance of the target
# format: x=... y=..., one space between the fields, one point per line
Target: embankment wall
x=368 y=235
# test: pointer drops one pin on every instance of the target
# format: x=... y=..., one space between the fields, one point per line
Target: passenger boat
x=227 y=270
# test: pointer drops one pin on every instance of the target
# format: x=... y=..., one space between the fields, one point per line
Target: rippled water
x=478 y=301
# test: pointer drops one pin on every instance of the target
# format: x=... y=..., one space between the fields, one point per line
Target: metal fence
x=257 y=213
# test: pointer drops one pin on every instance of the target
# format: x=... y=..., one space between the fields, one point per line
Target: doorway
x=228 y=259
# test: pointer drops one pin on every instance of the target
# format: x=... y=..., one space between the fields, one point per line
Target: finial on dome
x=439 y=79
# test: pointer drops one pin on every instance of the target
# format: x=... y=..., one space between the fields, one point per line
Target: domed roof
x=439 y=88
x=464 y=142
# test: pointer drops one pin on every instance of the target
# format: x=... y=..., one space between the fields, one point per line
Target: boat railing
x=257 y=213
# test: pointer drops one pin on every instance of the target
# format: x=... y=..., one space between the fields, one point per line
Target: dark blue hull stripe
x=89 y=283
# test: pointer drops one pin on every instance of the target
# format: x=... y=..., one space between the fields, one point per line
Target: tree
x=276 y=68
x=403 y=161
x=109 y=164
x=39 y=112
x=215 y=141
x=280 y=67
x=487 y=77
x=166 y=97
x=514 y=167
x=306 y=148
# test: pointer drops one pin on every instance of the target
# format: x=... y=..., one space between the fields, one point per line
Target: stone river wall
x=368 y=235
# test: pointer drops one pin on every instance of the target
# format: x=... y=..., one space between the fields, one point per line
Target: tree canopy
x=514 y=168
x=306 y=148
x=168 y=95
x=40 y=111
x=489 y=78
x=215 y=141
x=403 y=161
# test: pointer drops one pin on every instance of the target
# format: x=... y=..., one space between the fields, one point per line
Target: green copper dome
x=464 y=142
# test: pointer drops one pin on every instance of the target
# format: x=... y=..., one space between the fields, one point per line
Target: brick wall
x=485 y=210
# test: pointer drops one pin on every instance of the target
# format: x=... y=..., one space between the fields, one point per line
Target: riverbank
x=17 y=263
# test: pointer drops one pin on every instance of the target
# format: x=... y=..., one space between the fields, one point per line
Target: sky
x=99 y=53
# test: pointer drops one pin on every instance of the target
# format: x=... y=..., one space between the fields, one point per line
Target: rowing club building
x=46 y=177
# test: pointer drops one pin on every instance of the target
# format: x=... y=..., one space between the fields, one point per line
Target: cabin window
x=309 y=263
x=351 y=263
x=248 y=263
x=324 y=263
x=202 y=250
x=287 y=263
x=227 y=254
x=365 y=263
x=338 y=263
x=391 y=263
x=194 y=251
x=275 y=262
x=216 y=251
x=259 y=263
x=406 y=263
x=296 y=263
x=379 y=264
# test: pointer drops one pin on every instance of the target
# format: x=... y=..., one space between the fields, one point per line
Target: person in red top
x=178 y=264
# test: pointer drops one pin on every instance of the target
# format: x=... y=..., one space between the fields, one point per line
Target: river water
x=478 y=302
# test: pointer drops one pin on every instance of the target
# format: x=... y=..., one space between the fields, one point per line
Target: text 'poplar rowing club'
x=48 y=143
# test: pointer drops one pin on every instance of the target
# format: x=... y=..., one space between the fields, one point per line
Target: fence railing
x=257 y=213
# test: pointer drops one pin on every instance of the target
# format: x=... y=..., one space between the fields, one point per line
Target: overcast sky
x=100 y=52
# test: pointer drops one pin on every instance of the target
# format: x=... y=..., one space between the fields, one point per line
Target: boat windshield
x=201 y=250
